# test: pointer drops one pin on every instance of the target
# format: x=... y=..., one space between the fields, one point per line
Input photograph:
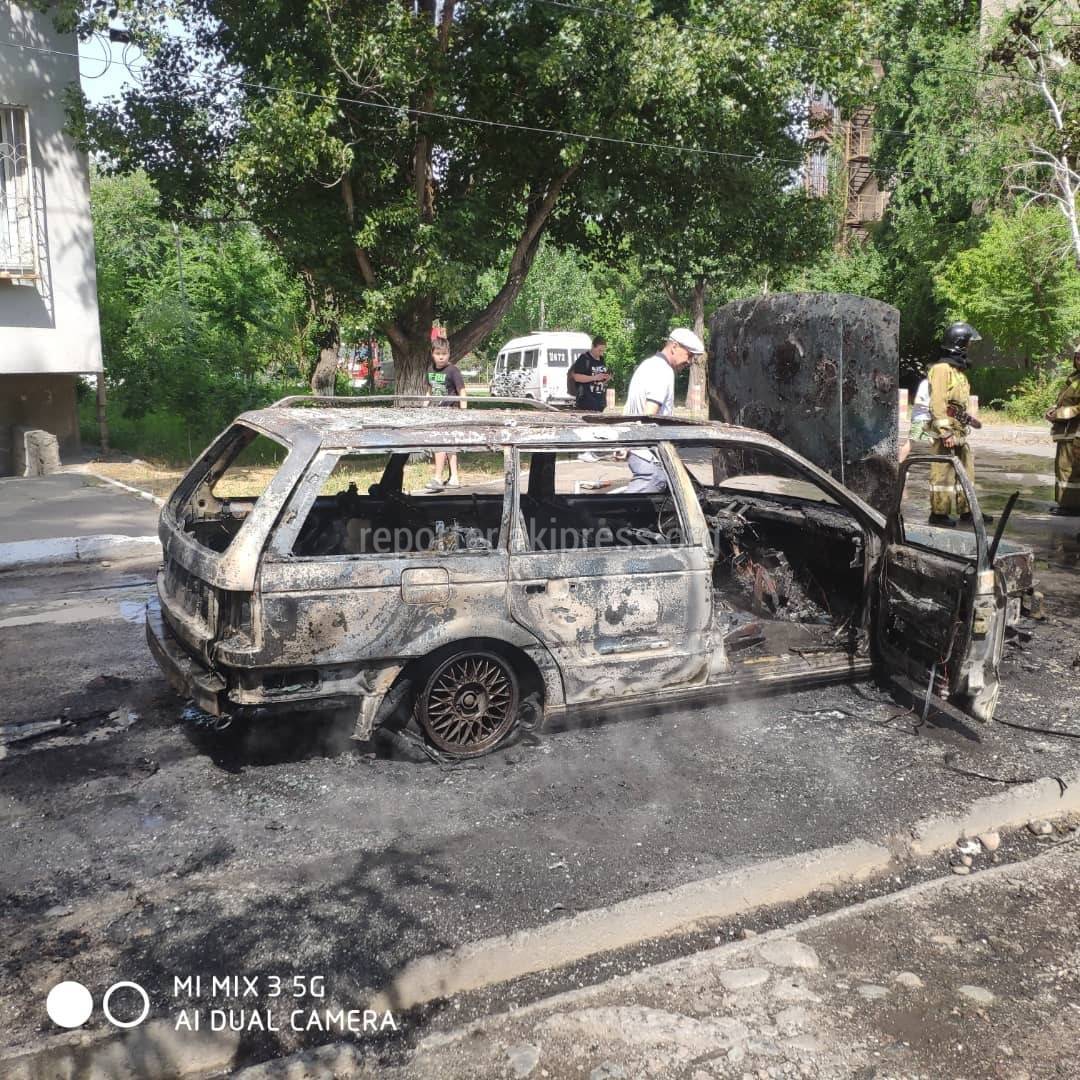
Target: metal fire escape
x=824 y=122
x=853 y=140
x=865 y=203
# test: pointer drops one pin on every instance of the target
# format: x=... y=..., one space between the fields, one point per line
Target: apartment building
x=49 y=331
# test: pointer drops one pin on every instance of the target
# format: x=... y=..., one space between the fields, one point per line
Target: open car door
x=941 y=605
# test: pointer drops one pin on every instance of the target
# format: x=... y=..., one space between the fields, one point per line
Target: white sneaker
x=588 y=456
x=452 y=483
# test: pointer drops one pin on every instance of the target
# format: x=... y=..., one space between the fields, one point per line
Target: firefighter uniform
x=1065 y=418
x=948 y=385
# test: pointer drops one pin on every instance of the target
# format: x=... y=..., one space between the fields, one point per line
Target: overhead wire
x=535 y=129
x=412 y=111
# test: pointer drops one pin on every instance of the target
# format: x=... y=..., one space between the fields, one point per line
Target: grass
x=249 y=481
x=157 y=479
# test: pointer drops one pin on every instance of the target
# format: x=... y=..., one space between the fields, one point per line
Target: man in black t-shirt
x=590 y=376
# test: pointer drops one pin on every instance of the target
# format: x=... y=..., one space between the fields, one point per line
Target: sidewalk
x=973 y=976
x=69 y=517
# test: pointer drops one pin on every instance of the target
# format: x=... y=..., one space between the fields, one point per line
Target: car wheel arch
x=541 y=681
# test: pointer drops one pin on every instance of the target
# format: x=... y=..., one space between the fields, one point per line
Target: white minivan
x=536 y=366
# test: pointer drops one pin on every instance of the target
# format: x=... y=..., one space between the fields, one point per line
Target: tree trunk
x=696 y=398
x=102 y=413
x=411 y=358
x=324 y=377
x=410 y=343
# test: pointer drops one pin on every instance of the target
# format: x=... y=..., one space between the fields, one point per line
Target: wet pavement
x=1055 y=541
x=137 y=847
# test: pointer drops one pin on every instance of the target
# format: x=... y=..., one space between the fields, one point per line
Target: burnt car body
x=537 y=591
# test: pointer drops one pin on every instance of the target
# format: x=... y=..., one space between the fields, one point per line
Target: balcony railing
x=862 y=209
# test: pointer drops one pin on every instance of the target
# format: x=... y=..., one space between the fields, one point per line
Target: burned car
x=306 y=565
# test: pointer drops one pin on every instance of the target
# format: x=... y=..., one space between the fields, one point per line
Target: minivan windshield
x=222 y=488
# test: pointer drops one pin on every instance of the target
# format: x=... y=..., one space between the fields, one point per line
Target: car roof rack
x=320 y=402
x=629 y=418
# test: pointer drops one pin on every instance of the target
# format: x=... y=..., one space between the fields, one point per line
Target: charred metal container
x=819 y=372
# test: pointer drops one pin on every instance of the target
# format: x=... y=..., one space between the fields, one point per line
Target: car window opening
x=386 y=504
x=561 y=511
x=233 y=480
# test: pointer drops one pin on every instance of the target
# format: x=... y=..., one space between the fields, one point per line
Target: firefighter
x=1065 y=418
x=949 y=392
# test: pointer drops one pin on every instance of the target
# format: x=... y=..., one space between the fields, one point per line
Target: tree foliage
x=393 y=152
x=1013 y=285
x=194 y=317
x=953 y=114
x=1041 y=46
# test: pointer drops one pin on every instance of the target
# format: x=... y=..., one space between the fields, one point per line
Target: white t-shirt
x=653 y=380
x=921 y=409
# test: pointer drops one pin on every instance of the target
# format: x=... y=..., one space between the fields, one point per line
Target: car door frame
x=967 y=675
x=385 y=607
x=595 y=666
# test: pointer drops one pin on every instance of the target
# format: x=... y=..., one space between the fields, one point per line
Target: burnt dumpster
x=819 y=372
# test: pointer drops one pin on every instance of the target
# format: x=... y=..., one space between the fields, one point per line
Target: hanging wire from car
x=1039 y=730
x=947 y=764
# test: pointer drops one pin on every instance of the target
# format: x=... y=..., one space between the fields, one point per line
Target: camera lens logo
x=108 y=998
x=70 y=1004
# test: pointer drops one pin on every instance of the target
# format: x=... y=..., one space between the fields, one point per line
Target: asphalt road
x=136 y=848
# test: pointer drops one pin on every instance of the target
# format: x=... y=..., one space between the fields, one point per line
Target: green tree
x=393 y=152
x=1014 y=286
x=710 y=223
x=1040 y=45
x=559 y=294
x=193 y=316
x=938 y=149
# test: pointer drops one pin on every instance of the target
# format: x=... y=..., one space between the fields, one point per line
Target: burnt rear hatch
x=213 y=530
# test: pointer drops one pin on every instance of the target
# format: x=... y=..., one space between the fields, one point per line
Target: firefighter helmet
x=957 y=338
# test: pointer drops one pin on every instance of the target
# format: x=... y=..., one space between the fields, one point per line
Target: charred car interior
x=789 y=571
x=309 y=563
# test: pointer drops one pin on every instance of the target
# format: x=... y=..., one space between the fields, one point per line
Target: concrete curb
x=336 y=1061
x=1011 y=809
x=680 y=966
x=663 y=914
x=654 y=915
x=24 y=554
x=154 y=1050
x=106 y=1056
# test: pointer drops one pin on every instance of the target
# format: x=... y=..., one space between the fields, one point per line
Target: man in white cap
x=652 y=393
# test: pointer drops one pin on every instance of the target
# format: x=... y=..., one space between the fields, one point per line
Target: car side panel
x=349 y=608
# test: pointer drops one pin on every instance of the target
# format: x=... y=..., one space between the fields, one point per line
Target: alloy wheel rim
x=469 y=703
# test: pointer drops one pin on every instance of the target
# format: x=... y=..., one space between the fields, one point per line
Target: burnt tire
x=469 y=703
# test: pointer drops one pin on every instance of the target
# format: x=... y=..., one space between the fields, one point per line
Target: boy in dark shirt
x=445 y=380
x=591 y=376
